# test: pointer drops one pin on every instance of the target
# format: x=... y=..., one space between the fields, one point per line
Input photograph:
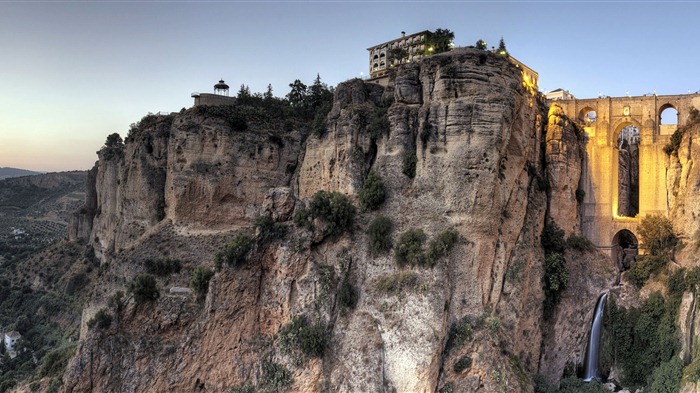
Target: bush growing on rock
x=275 y=377
x=397 y=283
x=347 y=294
x=234 y=253
x=162 y=267
x=657 y=234
x=199 y=282
x=335 y=209
x=441 y=246
x=267 y=229
x=408 y=165
x=144 y=288
x=379 y=233
x=409 y=248
x=101 y=320
x=300 y=334
x=372 y=193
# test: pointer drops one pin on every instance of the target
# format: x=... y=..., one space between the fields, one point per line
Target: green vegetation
x=347 y=294
x=379 y=234
x=162 y=267
x=334 y=208
x=275 y=377
x=397 y=283
x=481 y=44
x=144 y=288
x=235 y=253
x=461 y=332
x=379 y=126
x=101 y=320
x=644 y=338
x=301 y=335
x=44 y=319
x=438 y=41
x=242 y=388
x=409 y=248
x=408 y=167
x=113 y=148
x=502 y=48
x=556 y=274
x=441 y=246
x=569 y=384
x=462 y=364
x=199 y=282
x=580 y=243
x=667 y=377
x=372 y=193
x=268 y=230
x=657 y=235
x=55 y=361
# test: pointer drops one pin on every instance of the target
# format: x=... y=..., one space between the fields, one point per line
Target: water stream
x=590 y=362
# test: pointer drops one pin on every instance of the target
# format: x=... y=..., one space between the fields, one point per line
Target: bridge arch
x=668 y=115
x=587 y=116
x=625 y=247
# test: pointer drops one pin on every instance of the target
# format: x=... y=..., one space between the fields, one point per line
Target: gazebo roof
x=221 y=85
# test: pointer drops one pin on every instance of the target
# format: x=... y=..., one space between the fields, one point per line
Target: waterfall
x=689 y=339
x=590 y=362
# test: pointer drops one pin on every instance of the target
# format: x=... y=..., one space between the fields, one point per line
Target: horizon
x=66 y=90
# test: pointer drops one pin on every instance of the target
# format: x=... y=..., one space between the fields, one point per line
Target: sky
x=73 y=72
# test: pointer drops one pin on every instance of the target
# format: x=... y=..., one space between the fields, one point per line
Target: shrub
x=409 y=248
x=645 y=267
x=319 y=125
x=667 y=377
x=300 y=334
x=275 y=377
x=102 y=320
x=461 y=332
x=379 y=124
x=267 y=229
x=54 y=362
x=440 y=247
x=462 y=364
x=580 y=243
x=144 y=288
x=556 y=274
x=162 y=267
x=335 y=209
x=234 y=253
x=396 y=283
x=408 y=166
x=242 y=388
x=372 y=193
x=347 y=294
x=675 y=142
x=379 y=233
x=199 y=282
x=302 y=219
x=657 y=234
x=552 y=238
x=692 y=278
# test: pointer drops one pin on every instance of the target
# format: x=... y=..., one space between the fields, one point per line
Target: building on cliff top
x=220 y=96
x=559 y=94
x=380 y=56
x=411 y=48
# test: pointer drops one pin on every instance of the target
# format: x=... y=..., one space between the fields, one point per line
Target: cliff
x=484 y=150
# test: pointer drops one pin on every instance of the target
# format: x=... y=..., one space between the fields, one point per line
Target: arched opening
x=668 y=115
x=628 y=172
x=624 y=249
x=587 y=116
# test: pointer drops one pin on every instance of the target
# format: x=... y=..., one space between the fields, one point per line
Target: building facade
x=380 y=56
x=11 y=339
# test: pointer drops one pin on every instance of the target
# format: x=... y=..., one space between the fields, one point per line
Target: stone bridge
x=603 y=119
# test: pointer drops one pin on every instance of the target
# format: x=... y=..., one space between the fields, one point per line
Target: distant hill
x=6 y=173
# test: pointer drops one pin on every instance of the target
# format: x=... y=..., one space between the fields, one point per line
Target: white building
x=559 y=94
x=11 y=339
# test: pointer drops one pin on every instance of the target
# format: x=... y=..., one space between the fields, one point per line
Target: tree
x=397 y=54
x=439 y=41
x=144 y=288
x=502 y=48
x=297 y=97
x=268 y=94
x=200 y=281
x=243 y=92
x=319 y=94
x=114 y=141
x=481 y=44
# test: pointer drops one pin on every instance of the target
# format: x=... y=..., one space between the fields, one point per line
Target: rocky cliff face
x=473 y=322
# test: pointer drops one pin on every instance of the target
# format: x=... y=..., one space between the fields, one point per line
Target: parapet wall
x=212 y=99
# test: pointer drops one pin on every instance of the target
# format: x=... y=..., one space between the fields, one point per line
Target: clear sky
x=72 y=72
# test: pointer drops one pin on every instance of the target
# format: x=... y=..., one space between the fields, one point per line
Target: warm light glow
x=430 y=49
